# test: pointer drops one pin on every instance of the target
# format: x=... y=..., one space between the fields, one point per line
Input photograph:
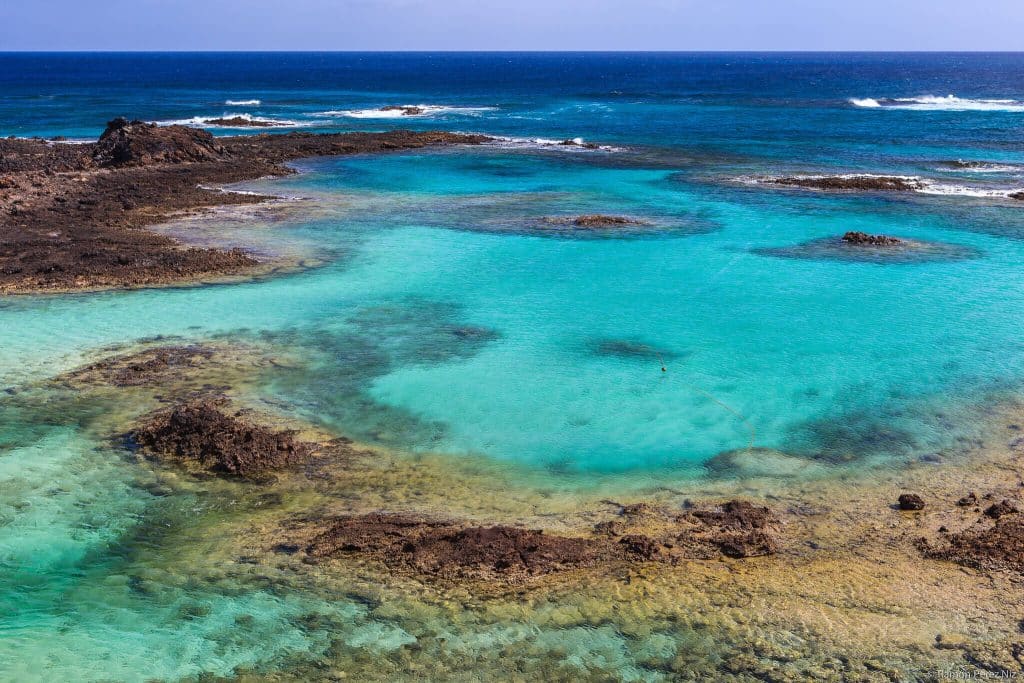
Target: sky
x=511 y=25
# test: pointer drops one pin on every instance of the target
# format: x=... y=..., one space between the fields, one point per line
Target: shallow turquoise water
x=450 y=317
x=424 y=244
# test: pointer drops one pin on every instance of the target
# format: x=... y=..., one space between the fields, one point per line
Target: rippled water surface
x=458 y=310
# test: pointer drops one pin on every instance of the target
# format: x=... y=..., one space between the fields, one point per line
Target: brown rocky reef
x=863 y=183
x=863 y=239
x=147 y=367
x=993 y=539
x=69 y=214
x=202 y=433
x=450 y=549
x=594 y=220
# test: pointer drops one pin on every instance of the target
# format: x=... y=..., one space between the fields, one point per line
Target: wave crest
x=243 y=103
x=239 y=121
x=404 y=111
x=938 y=103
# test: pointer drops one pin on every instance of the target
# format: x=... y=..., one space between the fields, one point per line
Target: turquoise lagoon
x=449 y=316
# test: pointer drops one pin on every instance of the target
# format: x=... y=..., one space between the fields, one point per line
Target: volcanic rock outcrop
x=201 y=432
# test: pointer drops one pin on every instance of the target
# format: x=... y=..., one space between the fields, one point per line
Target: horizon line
x=533 y=51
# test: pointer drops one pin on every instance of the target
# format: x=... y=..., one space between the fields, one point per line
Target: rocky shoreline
x=73 y=216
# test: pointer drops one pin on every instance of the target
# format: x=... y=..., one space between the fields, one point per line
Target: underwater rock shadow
x=331 y=386
x=900 y=252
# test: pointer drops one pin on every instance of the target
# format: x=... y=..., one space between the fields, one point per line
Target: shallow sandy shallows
x=848 y=595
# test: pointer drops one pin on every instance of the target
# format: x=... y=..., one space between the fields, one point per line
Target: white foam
x=205 y=122
x=922 y=185
x=243 y=103
x=426 y=111
x=938 y=103
x=569 y=145
x=982 y=167
x=965 y=191
x=865 y=102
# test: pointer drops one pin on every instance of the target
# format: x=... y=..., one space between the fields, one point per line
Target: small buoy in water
x=663 y=368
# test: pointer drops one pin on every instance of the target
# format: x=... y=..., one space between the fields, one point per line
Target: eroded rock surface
x=857 y=238
x=852 y=182
x=205 y=433
x=453 y=549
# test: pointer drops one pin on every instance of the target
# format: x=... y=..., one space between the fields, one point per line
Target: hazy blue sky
x=512 y=24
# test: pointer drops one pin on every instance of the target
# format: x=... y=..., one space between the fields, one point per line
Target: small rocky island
x=850 y=182
x=863 y=239
x=405 y=109
x=242 y=122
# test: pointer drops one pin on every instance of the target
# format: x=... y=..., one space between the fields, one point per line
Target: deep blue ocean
x=455 y=313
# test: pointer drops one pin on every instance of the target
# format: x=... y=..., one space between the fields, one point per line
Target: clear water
x=451 y=318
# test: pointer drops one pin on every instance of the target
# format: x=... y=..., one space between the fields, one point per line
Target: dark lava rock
x=406 y=109
x=851 y=182
x=910 y=501
x=737 y=528
x=969 y=500
x=199 y=431
x=640 y=546
x=597 y=220
x=445 y=549
x=136 y=143
x=1000 y=546
x=864 y=239
x=1003 y=507
x=241 y=122
x=577 y=143
x=1017 y=195
x=643 y=533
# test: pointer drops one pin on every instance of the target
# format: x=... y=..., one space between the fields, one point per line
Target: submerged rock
x=851 y=182
x=136 y=143
x=200 y=432
x=642 y=533
x=594 y=221
x=1003 y=507
x=910 y=501
x=630 y=348
x=447 y=549
x=999 y=546
x=145 y=367
x=862 y=238
x=864 y=247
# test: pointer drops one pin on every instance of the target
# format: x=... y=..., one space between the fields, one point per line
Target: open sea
x=768 y=335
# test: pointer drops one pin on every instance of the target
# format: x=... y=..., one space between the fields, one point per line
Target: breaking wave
x=569 y=145
x=407 y=111
x=243 y=103
x=938 y=103
x=247 y=121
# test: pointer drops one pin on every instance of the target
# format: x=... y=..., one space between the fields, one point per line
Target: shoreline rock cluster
x=450 y=549
x=70 y=214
